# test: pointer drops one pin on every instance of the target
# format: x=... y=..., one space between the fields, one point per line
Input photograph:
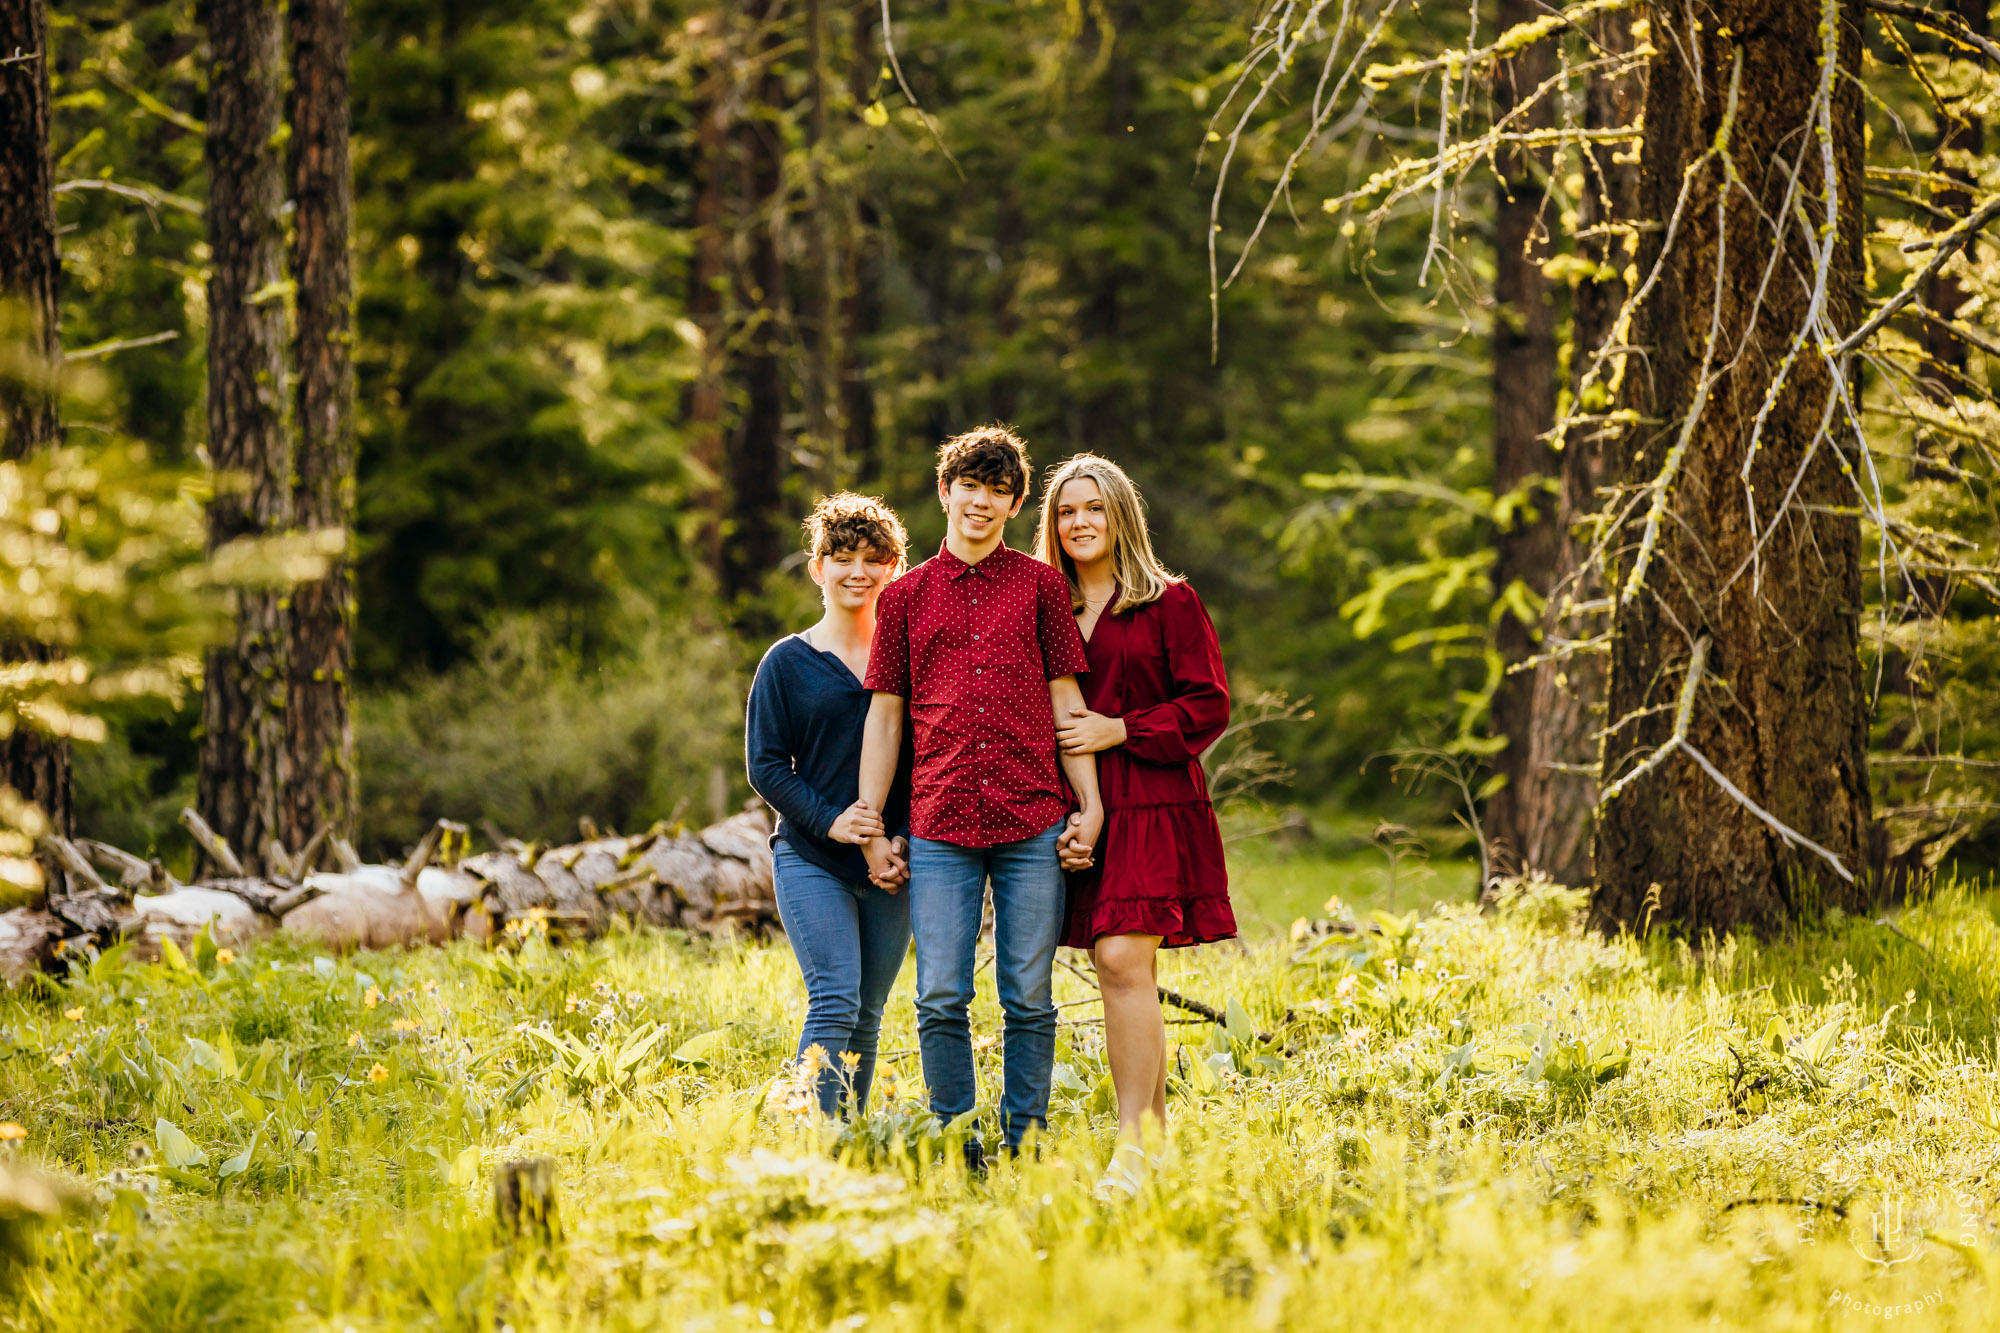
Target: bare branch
x=1948 y=245
x=1945 y=25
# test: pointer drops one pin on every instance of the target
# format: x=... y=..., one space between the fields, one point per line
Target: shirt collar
x=954 y=568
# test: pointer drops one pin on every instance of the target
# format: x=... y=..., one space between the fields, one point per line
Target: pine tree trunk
x=36 y=766
x=319 y=732
x=1524 y=409
x=1962 y=131
x=243 y=701
x=707 y=281
x=1559 y=786
x=752 y=545
x=1781 y=709
x=860 y=283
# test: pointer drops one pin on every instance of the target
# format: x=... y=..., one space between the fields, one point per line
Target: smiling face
x=1083 y=524
x=975 y=509
x=852 y=580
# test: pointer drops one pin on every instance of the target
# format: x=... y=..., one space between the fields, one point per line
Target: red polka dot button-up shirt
x=971 y=649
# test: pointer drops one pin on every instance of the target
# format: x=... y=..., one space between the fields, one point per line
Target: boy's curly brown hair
x=850 y=522
x=992 y=454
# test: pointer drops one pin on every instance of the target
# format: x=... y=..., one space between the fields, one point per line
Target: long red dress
x=1159 y=867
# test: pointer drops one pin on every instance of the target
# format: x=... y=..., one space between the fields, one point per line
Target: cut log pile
x=714 y=880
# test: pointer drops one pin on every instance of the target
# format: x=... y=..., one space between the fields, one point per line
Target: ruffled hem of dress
x=1179 y=922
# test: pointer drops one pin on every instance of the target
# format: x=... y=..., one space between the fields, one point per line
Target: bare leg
x=1135 y=1033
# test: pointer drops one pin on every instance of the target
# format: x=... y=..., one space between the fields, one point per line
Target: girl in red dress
x=1156 y=696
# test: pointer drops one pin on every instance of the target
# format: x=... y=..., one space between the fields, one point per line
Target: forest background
x=634 y=282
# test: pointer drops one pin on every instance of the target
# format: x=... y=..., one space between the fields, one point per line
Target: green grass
x=1484 y=1121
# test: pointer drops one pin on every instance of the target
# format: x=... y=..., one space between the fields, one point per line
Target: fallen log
x=710 y=881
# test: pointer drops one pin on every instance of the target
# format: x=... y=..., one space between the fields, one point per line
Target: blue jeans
x=850 y=940
x=947 y=893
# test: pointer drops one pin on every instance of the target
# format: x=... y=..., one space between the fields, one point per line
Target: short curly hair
x=850 y=522
x=992 y=454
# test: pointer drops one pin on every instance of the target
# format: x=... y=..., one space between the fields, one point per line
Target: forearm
x=881 y=747
x=1081 y=770
x=1066 y=695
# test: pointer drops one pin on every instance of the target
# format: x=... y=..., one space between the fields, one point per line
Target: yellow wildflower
x=11 y=1130
x=372 y=998
x=74 y=1015
x=851 y=1060
x=377 y=1073
x=430 y=987
x=985 y=1043
x=1300 y=929
x=59 y=1059
x=405 y=1025
x=225 y=956
x=354 y=1039
x=570 y=1004
x=814 y=1058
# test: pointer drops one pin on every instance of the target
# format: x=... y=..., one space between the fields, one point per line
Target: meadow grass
x=1473 y=1122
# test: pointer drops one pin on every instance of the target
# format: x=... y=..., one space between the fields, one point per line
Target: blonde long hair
x=1141 y=577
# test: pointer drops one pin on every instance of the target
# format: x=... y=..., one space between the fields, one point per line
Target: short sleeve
x=889 y=654
x=1062 y=642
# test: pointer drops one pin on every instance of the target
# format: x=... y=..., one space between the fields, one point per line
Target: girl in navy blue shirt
x=803 y=745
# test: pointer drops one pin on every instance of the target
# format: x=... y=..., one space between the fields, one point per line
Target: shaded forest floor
x=1479 y=1121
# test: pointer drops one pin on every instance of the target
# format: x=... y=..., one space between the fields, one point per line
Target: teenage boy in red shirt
x=981 y=645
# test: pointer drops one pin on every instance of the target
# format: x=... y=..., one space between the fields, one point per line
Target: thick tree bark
x=1524 y=410
x=35 y=765
x=860 y=284
x=319 y=732
x=1781 y=708
x=1963 y=131
x=753 y=544
x=243 y=702
x=708 y=281
x=1558 y=788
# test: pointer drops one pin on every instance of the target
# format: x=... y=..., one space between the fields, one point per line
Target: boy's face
x=976 y=510
x=852 y=579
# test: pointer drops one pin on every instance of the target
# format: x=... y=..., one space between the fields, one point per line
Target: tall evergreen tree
x=35 y=765
x=319 y=733
x=755 y=463
x=1558 y=784
x=243 y=749
x=1524 y=409
x=1735 y=641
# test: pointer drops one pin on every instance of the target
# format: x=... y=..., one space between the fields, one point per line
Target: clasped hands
x=889 y=858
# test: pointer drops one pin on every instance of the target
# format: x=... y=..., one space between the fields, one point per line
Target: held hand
x=1085 y=732
x=857 y=824
x=1076 y=847
x=888 y=866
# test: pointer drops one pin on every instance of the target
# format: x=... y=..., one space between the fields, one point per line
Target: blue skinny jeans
x=850 y=940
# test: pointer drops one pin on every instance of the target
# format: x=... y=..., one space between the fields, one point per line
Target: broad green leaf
x=1241 y=1028
x=171 y=955
x=635 y=1050
x=240 y=1163
x=699 y=1050
x=1775 y=1033
x=177 y=1150
x=1815 y=1049
x=465 y=1167
x=219 y=1061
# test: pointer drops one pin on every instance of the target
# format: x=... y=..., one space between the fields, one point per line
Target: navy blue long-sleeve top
x=802 y=744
